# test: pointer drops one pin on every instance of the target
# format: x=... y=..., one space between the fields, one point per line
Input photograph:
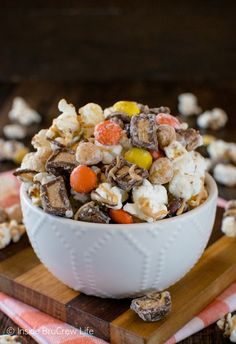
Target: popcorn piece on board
x=54 y=198
x=153 y=306
x=149 y=202
x=214 y=119
x=161 y=171
x=143 y=131
x=14 y=131
x=225 y=174
x=229 y=219
x=125 y=175
x=7 y=339
x=15 y=213
x=5 y=235
x=16 y=230
x=87 y=153
x=62 y=160
x=188 y=104
x=228 y=325
x=21 y=112
x=109 y=195
x=3 y=215
x=91 y=114
x=90 y=212
x=165 y=135
x=12 y=150
x=218 y=150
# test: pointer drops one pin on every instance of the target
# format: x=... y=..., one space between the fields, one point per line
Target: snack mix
x=127 y=163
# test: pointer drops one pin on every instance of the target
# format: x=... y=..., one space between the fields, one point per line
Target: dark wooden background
x=105 y=50
x=115 y=39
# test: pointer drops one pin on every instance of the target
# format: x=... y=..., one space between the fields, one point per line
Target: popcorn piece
x=3 y=215
x=232 y=152
x=80 y=197
x=65 y=129
x=190 y=138
x=7 y=339
x=5 y=235
x=12 y=150
x=225 y=174
x=15 y=213
x=16 y=230
x=109 y=195
x=161 y=171
x=109 y=153
x=23 y=113
x=229 y=219
x=62 y=160
x=125 y=175
x=175 y=150
x=188 y=104
x=14 y=131
x=153 y=306
x=91 y=114
x=165 y=135
x=143 y=131
x=228 y=325
x=40 y=140
x=54 y=198
x=87 y=153
x=184 y=185
x=218 y=150
x=90 y=212
x=149 y=202
x=43 y=178
x=34 y=194
x=214 y=119
x=208 y=139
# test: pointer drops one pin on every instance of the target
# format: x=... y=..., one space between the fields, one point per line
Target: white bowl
x=112 y=260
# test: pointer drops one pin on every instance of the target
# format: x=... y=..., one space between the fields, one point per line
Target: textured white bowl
x=120 y=260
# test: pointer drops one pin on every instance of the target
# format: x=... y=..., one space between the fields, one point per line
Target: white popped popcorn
x=108 y=111
x=149 y=202
x=79 y=196
x=228 y=325
x=14 y=131
x=65 y=128
x=23 y=113
x=7 y=339
x=5 y=235
x=110 y=195
x=185 y=185
x=40 y=140
x=175 y=150
x=91 y=114
x=188 y=104
x=15 y=213
x=229 y=226
x=12 y=150
x=34 y=193
x=16 y=230
x=214 y=119
x=225 y=174
x=43 y=178
x=218 y=150
x=109 y=153
x=35 y=161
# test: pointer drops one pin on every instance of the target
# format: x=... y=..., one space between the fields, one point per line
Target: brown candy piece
x=153 y=306
x=91 y=212
x=143 y=131
x=156 y=110
x=125 y=175
x=174 y=205
x=60 y=161
x=25 y=175
x=119 y=115
x=165 y=135
x=190 y=138
x=54 y=198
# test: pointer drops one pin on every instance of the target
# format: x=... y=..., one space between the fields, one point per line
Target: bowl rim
x=210 y=183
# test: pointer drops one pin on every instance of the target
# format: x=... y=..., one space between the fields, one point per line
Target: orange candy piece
x=165 y=118
x=120 y=216
x=83 y=179
x=108 y=133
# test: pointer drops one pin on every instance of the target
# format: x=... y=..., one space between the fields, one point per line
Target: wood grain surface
x=116 y=39
x=44 y=97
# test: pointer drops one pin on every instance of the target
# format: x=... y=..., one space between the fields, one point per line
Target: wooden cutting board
x=25 y=278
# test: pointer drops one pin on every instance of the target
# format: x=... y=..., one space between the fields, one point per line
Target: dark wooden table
x=45 y=96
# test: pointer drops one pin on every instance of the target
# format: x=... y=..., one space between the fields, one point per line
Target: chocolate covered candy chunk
x=54 y=198
x=91 y=212
x=153 y=306
x=125 y=175
x=143 y=131
x=60 y=161
x=25 y=175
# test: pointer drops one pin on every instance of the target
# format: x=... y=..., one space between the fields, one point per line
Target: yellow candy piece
x=131 y=108
x=139 y=157
x=207 y=139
